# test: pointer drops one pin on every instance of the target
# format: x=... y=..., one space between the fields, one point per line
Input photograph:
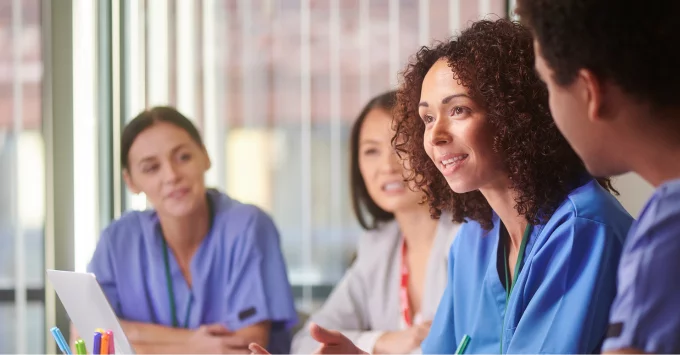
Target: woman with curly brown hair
x=533 y=269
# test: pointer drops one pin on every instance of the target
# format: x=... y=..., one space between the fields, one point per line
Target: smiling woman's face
x=380 y=167
x=458 y=137
x=168 y=166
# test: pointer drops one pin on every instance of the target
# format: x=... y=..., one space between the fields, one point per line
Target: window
x=275 y=85
x=22 y=182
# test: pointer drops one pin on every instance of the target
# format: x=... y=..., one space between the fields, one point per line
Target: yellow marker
x=100 y=330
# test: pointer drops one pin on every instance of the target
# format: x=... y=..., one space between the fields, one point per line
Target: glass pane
x=7 y=330
x=286 y=97
x=7 y=154
x=35 y=328
x=22 y=162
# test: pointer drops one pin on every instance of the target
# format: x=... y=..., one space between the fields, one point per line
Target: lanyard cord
x=171 y=292
x=403 y=289
x=518 y=269
x=168 y=276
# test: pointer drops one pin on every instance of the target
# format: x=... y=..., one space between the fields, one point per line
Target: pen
x=463 y=344
x=97 y=343
x=104 y=348
x=112 y=349
x=61 y=342
x=80 y=347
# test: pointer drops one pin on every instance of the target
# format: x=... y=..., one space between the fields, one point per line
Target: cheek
x=428 y=148
x=365 y=170
x=151 y=186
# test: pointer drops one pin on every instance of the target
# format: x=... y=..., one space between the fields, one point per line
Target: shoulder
x=241 y=225
x=663 y=204
x=660 y=217
x=471 y=232
x=590 y=203
x=378 y=245
x=385 y=235
x=128 y=228
x=237 y=216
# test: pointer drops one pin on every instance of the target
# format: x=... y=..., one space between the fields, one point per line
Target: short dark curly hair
x=495 y=61
x=633 y=45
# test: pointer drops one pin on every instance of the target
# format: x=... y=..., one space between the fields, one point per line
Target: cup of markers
x=103 y=343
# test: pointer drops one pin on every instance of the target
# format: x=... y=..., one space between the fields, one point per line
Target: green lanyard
x=518 y=269
x=171 y=292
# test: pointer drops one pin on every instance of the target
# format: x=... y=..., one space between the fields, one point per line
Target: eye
x=428 y=119
x=151 y=168
x=371 y=151
x=460 y=111
x=185 y=156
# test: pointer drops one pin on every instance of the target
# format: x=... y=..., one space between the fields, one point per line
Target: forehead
x=439 y=82
x=158 y=139
x=377 y=125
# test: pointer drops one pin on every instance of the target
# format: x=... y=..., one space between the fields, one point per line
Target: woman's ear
x=128 y=181
x=594 y=94
x=207 y=159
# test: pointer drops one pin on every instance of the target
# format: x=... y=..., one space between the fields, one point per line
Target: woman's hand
x=332 y=342
x=403 y=341
x=216 y=339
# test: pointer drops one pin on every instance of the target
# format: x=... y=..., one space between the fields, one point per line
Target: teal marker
x=61 y=342
x=463 y=344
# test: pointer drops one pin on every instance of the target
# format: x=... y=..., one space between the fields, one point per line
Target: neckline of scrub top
x=518 y=268
x=168 y=276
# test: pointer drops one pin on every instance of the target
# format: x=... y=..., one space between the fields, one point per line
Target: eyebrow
x=173 y=151
x=369 y=141
x=444 y=100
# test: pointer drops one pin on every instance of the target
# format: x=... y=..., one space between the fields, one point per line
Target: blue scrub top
x=646 y=312
x=560 y=301
x=238 y=272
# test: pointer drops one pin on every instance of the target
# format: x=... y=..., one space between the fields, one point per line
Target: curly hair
x=494 y=60
x=633 y=46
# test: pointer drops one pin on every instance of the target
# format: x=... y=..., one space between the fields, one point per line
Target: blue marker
x=61 y=342
x=97 y=343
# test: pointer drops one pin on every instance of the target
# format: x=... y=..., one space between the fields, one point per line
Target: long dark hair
x=146 y=119
x=367 y=212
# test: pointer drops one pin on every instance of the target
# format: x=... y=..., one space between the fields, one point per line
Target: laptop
x=88 y=308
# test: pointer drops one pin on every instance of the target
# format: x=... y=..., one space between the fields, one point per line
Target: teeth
x=453 y=160
x=393 y=186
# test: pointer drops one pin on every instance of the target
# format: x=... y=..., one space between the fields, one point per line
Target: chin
x=604 y=170
x=180 y=209
x=461 y=187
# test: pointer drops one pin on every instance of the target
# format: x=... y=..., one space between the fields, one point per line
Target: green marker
x=80 y=347
x=463 y=344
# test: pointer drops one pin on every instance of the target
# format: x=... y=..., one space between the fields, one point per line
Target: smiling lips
x=451 y=162
x=394 y=186
x=179 y=193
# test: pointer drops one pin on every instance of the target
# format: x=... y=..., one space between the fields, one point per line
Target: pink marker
x=111 y=347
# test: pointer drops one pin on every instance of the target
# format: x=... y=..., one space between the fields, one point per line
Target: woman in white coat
x=387 y=298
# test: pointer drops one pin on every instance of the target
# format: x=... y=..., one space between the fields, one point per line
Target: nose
x=439 y=134
x=171 y=173
x=391 y=163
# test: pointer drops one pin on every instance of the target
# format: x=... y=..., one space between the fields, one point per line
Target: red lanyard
x=403 y=289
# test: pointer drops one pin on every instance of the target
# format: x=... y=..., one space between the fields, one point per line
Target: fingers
x=422 y=331
x=215 y=329
x=325 y=336
x=235 y=342
x=257 y=349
